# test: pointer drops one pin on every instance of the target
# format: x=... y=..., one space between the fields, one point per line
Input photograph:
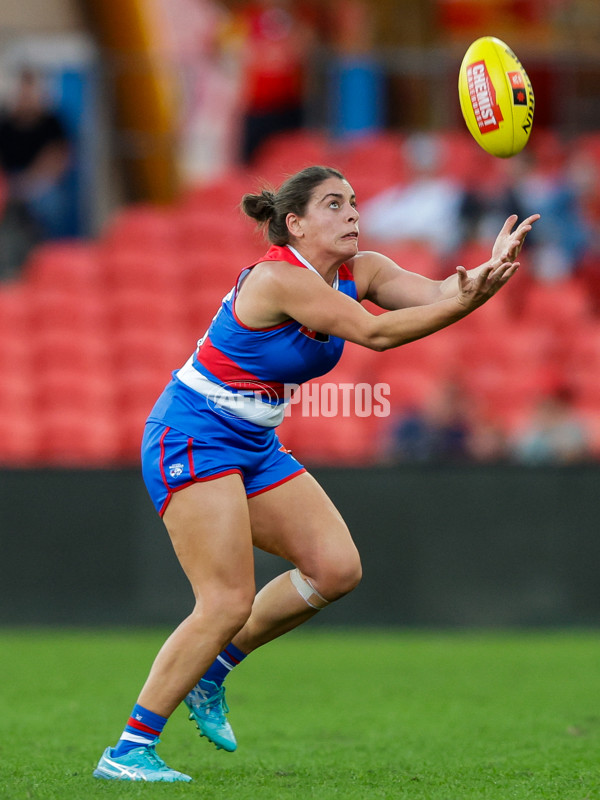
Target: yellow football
x=496 y=97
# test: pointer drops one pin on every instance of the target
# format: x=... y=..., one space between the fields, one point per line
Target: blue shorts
x=172 y=460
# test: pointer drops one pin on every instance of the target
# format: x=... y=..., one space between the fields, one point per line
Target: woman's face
x=329 y=227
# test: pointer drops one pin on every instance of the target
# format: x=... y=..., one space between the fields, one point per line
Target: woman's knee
x=337 y=576
x=229 y=609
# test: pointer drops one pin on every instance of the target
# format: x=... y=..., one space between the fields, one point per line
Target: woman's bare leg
x=209 y=527
x=299 y=522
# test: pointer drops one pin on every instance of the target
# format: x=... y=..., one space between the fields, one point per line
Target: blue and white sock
x=143 y=729
x=223 y=664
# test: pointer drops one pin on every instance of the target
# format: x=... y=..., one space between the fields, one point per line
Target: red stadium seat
x=201 y=308
x=337 y=418
x=146 y=308
x=17 y=393
x=131 y=430
x=506 y=345
x=15 y=308
x=216 y=268
x=68 y=309
x=197 y=224
x=16 y=351
x=67 y=265
x=508 y=395
x=472 y=254
x=409 y=387
x=581 y=347
x=18 y=418
x=287 y=153
x=494 y=318
x=372 y=163
x=562 y=304
x=19 y=439
x=137 y=387
x=72 y=349
x=317 y=439
x=79 y=391
x=504 y=306
x=68 y=438
x=438 y=354
x=224 y=192
x=588 y=144
x=548 y=150
x=357 y=363
x=138 y=390
x=149 y=226
x=166 y=350
x=413 y=256
x=135 y=266
x=460 y=160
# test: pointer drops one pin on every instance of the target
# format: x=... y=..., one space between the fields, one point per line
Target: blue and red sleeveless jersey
x=233 y=355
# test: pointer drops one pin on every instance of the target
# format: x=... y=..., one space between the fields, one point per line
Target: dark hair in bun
x=270 y=209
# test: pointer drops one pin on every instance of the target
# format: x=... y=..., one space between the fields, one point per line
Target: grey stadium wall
x=460 y=546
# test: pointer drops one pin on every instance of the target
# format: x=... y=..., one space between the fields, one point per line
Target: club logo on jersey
x=483 y=97
x=175 y=470
x=315 y=335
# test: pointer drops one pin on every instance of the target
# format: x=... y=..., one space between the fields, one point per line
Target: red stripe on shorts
x=162 y=458
x=191 y=458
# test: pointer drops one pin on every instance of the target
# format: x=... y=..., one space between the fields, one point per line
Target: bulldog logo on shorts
x=175 y=470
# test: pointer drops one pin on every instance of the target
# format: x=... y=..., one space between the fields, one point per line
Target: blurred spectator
x=585 y=172
x=439 y=432
x=276 y=40
x=487 y=442
x=554 y=435
x=486 y=203
x=560 y=242
x=196 y=43
x=34 y=156
x=425 y=209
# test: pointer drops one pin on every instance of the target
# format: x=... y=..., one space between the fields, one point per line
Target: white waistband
x=249 y=407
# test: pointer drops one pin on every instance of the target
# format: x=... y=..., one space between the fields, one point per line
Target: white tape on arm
x=307 y=591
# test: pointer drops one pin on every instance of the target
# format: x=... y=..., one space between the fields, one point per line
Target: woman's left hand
x=509 y=242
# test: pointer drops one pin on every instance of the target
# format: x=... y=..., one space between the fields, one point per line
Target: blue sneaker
x=139 y=764
x=207 y=706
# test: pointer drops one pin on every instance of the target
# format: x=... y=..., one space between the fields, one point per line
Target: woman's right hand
x=475 y=291
x=509 y=242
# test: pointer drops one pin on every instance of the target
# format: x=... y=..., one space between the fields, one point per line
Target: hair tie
x=269 y=197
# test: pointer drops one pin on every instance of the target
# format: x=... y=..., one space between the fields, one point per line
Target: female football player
x=216 y=470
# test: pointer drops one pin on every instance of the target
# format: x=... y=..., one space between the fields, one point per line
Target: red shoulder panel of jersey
x=277 y=253
x=345 y=273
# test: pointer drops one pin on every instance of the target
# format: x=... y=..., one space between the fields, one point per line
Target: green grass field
x=319 y=714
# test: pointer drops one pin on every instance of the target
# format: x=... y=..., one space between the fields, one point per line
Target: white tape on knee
x=307 y=591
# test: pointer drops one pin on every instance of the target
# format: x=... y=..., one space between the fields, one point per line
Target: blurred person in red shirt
x=277 y=38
